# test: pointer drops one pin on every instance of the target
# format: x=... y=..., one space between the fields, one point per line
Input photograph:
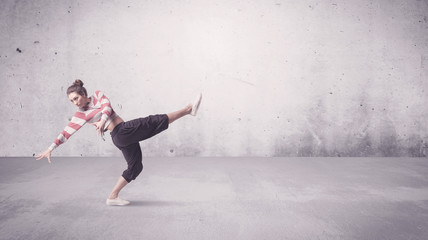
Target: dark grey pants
x=127 y=135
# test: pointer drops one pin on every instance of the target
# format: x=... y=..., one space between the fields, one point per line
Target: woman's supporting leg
x=179 y=114
x=133 y=157
x=121 y=183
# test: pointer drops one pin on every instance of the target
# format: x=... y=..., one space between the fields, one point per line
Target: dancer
x=96 y=109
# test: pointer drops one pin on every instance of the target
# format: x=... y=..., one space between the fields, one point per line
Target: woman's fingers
x=100 y=131
x=45 y=154
x=41 y=156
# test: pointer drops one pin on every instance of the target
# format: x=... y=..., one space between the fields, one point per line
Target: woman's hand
x=100 y=127
x=45 y=154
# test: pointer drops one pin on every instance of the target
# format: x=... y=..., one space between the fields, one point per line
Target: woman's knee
x=136 y=170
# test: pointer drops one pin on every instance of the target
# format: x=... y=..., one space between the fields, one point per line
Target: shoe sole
x=117 y=204
x=195 y=106
x=114 y=204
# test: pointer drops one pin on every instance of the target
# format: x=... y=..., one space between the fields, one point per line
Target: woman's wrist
x=52 y=147
x=104 y=117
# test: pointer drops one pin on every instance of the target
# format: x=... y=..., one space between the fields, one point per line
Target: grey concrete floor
x=216 y=198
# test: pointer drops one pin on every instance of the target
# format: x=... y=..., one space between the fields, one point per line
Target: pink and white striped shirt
x=98 y=108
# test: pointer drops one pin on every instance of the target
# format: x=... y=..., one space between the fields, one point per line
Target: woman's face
x=79 y=100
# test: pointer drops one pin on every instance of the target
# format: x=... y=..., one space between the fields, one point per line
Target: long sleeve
x=106 y=108
x=76 y=122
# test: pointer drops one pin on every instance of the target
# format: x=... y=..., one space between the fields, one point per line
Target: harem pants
x=127 y=135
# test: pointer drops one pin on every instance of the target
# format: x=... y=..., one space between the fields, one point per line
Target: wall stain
x=416 y=146
x=248 y=83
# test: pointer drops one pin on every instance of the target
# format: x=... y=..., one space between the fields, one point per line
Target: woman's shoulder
x=98 y=94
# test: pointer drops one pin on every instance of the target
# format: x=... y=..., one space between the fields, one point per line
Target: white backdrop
x=279 y=78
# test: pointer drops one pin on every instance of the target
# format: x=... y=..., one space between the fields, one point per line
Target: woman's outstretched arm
x=76 y=122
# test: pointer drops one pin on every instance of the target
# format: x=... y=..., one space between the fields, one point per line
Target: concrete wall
x=279 y=78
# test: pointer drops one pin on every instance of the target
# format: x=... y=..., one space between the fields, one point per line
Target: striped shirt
x=98 y=108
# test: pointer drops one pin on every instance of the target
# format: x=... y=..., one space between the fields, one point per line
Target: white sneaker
x=195 y=105
x=117 y=202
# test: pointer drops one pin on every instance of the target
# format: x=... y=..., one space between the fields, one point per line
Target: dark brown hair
x=77 y=87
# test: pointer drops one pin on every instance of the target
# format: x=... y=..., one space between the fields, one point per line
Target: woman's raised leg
x=179 y=114
x=192 y=109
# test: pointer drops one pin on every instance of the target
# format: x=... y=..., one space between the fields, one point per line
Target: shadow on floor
x=141 y=203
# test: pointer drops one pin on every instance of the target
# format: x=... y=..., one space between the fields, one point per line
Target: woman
x=97 y=110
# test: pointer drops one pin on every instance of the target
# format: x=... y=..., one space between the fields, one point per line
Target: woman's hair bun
x=77 y=87
x=78 y=82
